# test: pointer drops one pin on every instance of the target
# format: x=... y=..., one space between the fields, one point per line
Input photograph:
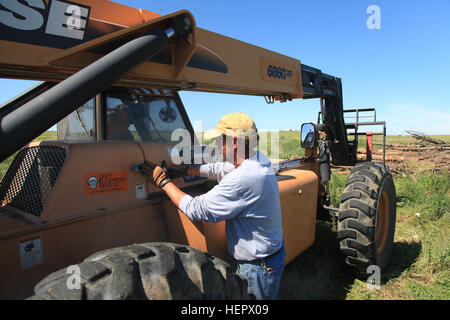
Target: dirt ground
x=410 y=158
x=317 y=274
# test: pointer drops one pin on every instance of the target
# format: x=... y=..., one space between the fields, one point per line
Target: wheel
x=366 y=220
x=148 y=271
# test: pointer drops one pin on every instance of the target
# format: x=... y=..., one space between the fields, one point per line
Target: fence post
x=369 y=146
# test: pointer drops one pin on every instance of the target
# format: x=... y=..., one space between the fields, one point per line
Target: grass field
x=420 y=263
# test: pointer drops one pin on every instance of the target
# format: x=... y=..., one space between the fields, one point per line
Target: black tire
x=147 y=271
x=366 y=220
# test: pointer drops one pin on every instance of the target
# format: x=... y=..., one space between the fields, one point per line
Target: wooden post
x=369 y=146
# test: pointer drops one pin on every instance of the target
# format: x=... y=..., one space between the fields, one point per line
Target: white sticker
x=30 y=251
x=140 y=191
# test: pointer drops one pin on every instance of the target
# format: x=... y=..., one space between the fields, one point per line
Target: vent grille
x=30 y=178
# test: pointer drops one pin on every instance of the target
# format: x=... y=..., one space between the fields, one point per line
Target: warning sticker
x=105 y=182
x=140 y=191
x=30 y=251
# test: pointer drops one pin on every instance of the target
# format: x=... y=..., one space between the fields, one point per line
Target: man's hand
x=155 y=174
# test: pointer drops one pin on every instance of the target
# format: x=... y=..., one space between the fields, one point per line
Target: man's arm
x=215 y=170
x=220 y=203
x=174 y=193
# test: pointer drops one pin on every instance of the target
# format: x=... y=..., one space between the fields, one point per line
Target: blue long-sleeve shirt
x=247 y=198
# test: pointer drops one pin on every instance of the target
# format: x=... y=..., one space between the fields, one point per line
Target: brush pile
x=426 y=154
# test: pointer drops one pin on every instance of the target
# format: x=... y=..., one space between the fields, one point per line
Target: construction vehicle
x=78 y=204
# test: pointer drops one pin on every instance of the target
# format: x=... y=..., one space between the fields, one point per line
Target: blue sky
x=402 y=69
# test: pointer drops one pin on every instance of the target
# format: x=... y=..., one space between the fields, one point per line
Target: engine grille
x=30 y=178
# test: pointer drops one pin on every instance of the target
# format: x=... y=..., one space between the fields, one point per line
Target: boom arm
x=216 y=63
x=61 y=40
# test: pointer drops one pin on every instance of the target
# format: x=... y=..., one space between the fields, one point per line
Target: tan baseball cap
x=233 y=124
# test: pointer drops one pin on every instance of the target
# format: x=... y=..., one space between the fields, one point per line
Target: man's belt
x=268 y=257
x=272 y=255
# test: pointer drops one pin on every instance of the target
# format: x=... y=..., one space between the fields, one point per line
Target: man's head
x=118 y=122
x=236 y=136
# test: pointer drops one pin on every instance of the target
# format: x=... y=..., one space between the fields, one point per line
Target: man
x=246 y=197
x=118 y=123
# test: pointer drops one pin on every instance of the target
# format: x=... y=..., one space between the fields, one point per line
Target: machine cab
x=141 y=115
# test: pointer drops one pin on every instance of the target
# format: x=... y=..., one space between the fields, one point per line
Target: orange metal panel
x=209 y=237
x=65 y=244
x=298 y=195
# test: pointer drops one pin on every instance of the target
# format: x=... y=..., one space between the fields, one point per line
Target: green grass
x=49 y=135
x=427 y=194
x=5 y=164
x=420 y=263
x=289 y=144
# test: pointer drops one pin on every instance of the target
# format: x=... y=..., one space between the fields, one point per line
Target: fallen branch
x=422 y=137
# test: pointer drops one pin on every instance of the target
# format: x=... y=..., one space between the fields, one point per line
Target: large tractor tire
x=148 y=271
x=366 y=220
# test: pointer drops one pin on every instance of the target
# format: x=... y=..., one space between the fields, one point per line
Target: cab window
x=146 y=115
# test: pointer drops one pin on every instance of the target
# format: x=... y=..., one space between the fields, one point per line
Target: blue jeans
x=263 y=276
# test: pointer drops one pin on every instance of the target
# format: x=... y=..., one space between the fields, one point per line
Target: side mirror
x=308 y=135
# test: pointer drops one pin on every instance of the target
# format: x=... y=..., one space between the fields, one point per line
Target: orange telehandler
x=110 y=80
